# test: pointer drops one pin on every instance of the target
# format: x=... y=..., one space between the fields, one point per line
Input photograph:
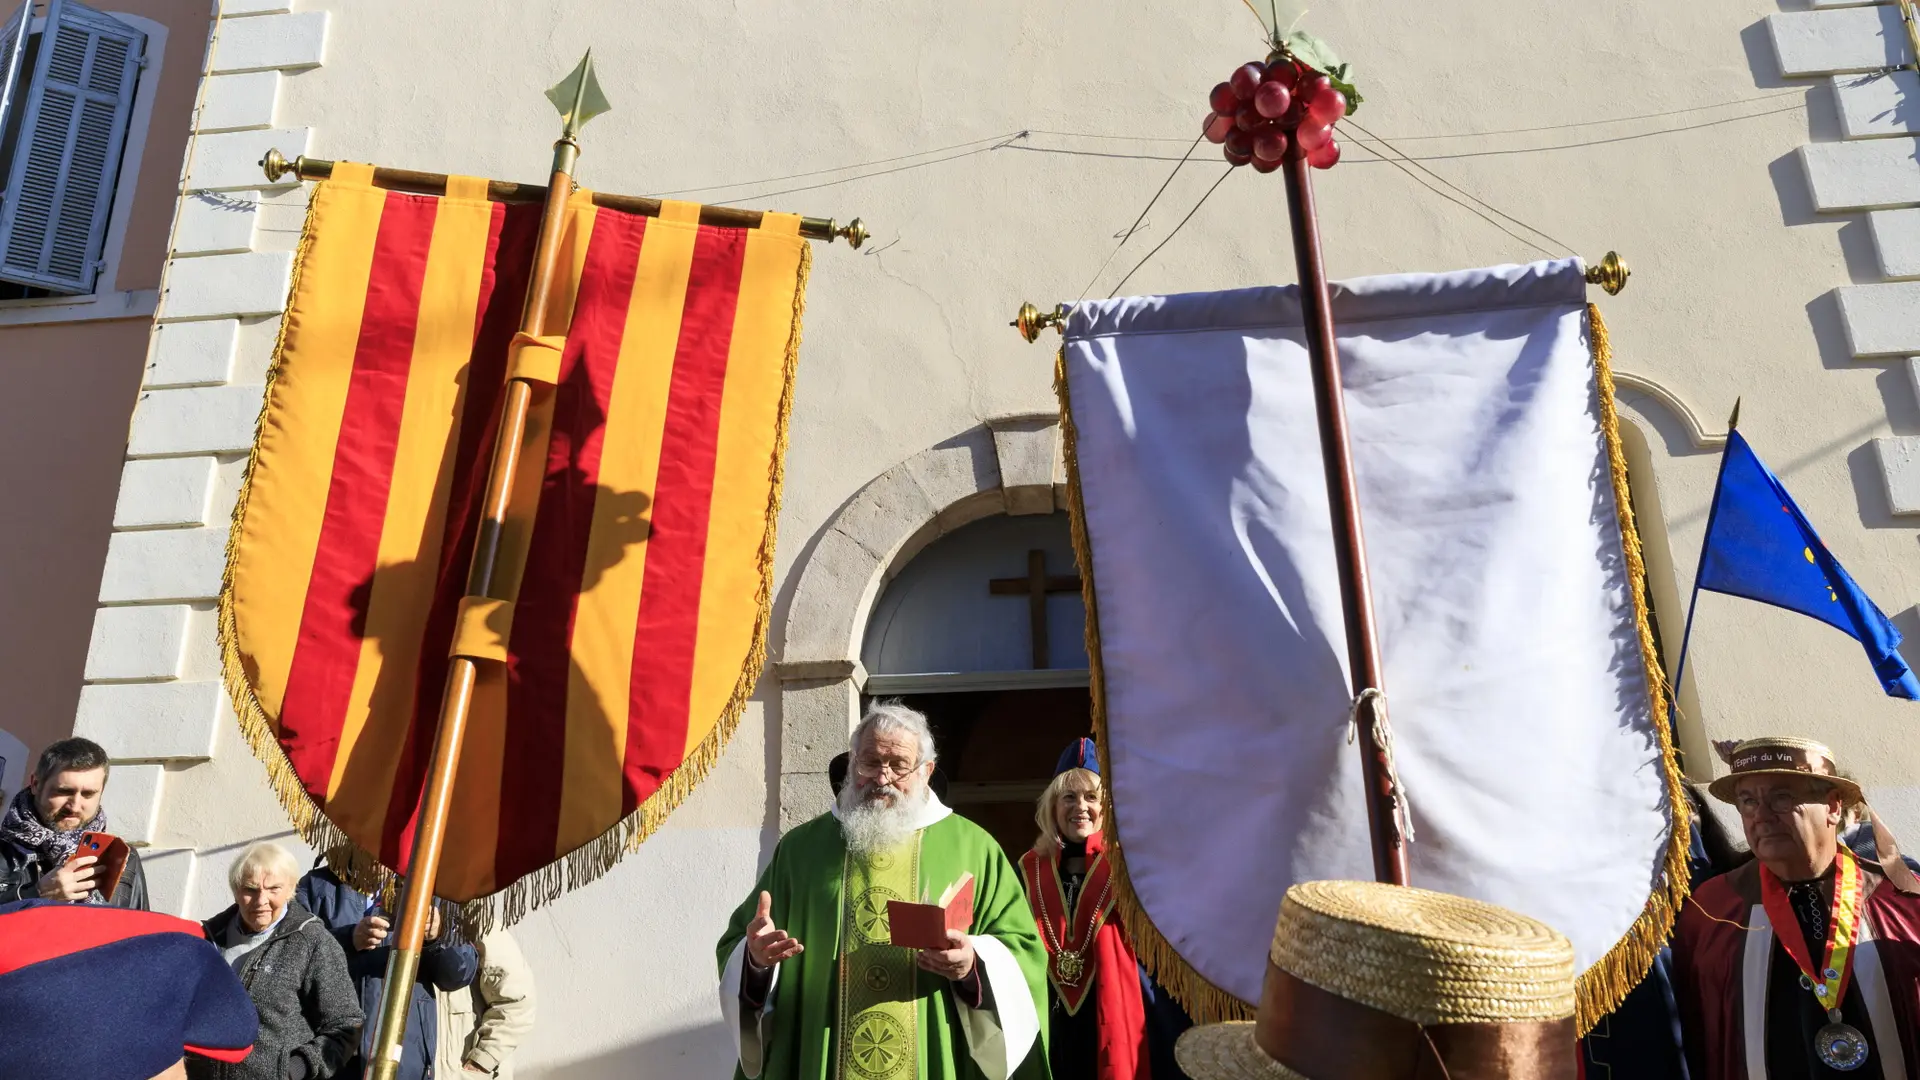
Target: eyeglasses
x=875 y=767
x=1777 y=802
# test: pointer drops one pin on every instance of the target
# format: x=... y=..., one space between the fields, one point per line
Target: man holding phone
x=45 y=824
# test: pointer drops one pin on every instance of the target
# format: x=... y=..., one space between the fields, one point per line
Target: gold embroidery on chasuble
x=878 y=1025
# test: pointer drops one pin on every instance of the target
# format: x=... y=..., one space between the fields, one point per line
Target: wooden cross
x=1035 y=587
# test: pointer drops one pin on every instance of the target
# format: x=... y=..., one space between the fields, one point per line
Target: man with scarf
x=43 y=826
x=810 y=983
x=1108 y=1020
x=1805 y=962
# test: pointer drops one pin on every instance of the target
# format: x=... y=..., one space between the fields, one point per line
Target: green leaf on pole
x=1320 y=56
x=1313 y=52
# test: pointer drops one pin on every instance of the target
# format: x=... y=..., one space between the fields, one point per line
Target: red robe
x=1721 y=973
x=1111 y=975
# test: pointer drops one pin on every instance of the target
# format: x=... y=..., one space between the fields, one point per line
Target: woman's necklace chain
x=1071 y=963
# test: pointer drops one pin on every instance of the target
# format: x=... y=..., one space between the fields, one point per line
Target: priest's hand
x=767 y=944
x=952 y=963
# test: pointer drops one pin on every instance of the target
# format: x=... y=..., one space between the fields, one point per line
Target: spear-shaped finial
x=1734 y=420
x=579 y=97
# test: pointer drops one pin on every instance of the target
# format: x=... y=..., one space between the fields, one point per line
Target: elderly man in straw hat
x=1806 y=961
x=1383 y=982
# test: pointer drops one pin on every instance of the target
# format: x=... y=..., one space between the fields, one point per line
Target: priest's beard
x=881 y=823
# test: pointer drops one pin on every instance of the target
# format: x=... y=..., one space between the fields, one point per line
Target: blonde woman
x=1107 y=1019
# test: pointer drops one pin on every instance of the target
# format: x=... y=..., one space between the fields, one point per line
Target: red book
x=925 y=926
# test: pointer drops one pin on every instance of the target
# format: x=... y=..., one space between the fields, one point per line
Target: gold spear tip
x=1734 y=420
x=579 y=97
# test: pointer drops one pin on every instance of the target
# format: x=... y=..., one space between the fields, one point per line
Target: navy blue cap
x=1079 y=755
x=145 y=989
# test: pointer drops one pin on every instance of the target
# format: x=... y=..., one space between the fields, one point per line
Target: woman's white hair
x=266 y=857
x=893 y=717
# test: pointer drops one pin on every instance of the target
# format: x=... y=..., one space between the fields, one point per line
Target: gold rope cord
x=361 y=869
x=1599 y=989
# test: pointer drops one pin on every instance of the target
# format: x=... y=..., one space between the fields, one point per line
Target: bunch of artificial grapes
x=1261 y=106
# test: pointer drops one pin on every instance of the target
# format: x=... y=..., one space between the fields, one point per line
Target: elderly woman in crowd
x=1108 y=1019
x=293 y=969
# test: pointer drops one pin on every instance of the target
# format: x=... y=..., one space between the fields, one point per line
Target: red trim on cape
x=1119 y=1010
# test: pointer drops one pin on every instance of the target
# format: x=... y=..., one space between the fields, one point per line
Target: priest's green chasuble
x=851 y=1006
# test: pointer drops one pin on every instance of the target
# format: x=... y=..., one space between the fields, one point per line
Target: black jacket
x=21 y=871
x=309 y=1010
x=445 y=965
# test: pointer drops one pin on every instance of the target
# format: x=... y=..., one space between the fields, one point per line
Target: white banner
x=1514 y=671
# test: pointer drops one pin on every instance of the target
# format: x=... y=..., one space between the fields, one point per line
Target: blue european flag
x=1760 y=546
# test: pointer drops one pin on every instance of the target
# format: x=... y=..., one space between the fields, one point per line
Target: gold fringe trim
x=255 y=725
x=1204 y=1002
x=362 y=869
x=1601 y=988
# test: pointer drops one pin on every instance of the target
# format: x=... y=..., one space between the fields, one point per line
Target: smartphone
x=112 y=853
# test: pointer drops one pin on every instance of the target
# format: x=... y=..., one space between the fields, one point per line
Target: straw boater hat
x=1372 y=981
x=1783 y=756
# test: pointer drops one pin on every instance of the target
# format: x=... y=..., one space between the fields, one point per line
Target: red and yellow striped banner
x=636 y=567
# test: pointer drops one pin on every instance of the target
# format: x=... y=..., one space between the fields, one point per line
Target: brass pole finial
x=1031 y=320
x=854 y=231
x=1611 y=274
x=276 y=165
x=1734 y=420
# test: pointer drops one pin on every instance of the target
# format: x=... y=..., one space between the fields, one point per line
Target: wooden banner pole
x=1349 y=540
x=416 y=898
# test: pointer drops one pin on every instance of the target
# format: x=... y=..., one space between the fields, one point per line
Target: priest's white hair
x=892 y=716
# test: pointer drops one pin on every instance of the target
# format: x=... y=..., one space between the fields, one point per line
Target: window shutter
x=13 y=45
x=59 y=192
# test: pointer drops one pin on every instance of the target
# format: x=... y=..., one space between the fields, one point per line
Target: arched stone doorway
x=895 y=601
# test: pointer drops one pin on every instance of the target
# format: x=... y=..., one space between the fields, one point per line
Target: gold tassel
x=1603 y=986
x=1205 y=1002
x=362 y=869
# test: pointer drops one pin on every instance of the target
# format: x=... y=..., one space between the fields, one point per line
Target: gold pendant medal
x=1070 y=966
x=1840 y=1045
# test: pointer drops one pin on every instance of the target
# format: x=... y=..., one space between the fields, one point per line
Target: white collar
x=931 y=811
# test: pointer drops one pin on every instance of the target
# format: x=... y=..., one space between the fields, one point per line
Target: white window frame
x=106 y=302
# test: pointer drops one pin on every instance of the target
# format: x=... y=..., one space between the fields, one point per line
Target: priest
x=811 y=986
x=1805 y=962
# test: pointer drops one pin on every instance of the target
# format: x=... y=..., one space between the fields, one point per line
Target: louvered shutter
x=13 y=46
x=59 y=192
